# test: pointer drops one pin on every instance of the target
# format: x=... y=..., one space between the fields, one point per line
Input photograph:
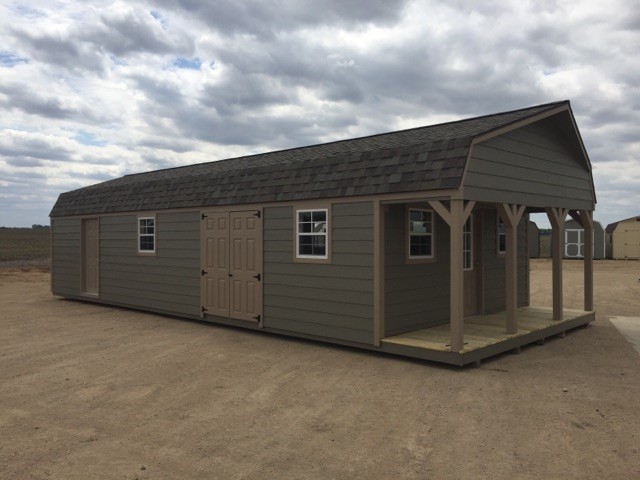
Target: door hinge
x=257 y=317
x=257 y=214
x=257 y=277
x=230 y=275
x=204 y=216
x=204 y=309
x=203 y=272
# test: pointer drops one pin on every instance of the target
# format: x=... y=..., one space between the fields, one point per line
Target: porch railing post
x=557 y=218
x=511 y=215
x=587 y=224
x=456 y=301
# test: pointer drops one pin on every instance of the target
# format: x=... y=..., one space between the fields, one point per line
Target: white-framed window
x=420 y=237
x=146 y=235
x=312 y=228
x=502 y=236
x=467 y=244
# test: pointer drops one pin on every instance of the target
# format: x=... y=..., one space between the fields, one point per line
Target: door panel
x=216 y=264
x=247 y=242
x=91 y=256
x=232 y=265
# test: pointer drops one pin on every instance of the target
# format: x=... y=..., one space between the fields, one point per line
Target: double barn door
x=232 y=264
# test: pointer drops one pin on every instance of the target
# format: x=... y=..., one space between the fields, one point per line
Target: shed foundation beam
x=557 y=218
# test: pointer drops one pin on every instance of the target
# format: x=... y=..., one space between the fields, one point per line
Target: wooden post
x=378 y=272
x=455 y=217
x=511 y=215
x=557 y=217
x=587 y=224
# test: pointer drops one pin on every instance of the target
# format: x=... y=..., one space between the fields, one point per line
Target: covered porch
x=486 y=335
x=469 y=337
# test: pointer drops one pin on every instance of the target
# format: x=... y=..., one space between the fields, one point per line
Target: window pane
x=420 y=245
x=304 y=227
x=304 y=216
x=319 y=227
x=146 y=243
x=319 y=216
x=319 y=245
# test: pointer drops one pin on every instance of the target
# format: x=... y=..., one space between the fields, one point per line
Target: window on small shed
x=311 y=237
x=147 y=235
x=502 y=236
x=420 y=233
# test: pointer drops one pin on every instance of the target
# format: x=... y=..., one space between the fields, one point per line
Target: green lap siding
x=416 y=295
x=533 y=165
x=66 y=263
x=168 y=281
x=494 y=265
x=326 y=300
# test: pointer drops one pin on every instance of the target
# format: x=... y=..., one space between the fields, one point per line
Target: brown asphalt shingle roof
x=419 y=159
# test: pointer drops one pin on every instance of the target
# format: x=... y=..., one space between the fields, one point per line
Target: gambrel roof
x=418 y=159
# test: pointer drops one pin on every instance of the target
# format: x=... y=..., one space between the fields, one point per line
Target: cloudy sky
x=94 y=90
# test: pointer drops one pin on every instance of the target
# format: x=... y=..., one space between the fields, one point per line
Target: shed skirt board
x=485 y=335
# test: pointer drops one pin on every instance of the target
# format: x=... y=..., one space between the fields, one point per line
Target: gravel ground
x=89 y=391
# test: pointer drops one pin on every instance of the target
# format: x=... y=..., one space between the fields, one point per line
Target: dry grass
x=25 y=244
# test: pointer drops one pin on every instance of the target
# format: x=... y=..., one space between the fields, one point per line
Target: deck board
x=485 y=331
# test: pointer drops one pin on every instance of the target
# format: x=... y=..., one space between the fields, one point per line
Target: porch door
x=232 y=264
x=471 y=261
x=90 y=256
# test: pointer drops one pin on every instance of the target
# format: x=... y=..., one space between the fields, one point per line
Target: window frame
x=300 y=258
x=152 y=235
x=500 y=234
x=407 y=228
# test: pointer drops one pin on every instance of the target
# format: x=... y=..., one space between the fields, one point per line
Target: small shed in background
x=623 y=239
x=534 y=240
x=574 y=240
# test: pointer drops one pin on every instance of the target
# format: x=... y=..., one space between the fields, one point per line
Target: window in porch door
x=467 y=244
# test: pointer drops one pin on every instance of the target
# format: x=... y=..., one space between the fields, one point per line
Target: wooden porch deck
x=485 y=336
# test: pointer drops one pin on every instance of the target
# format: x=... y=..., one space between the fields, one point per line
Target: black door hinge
x=204 y=309
x=257 y=277
x=257 y=214
x=257 y=317
x=203 y=272
x=204 y=216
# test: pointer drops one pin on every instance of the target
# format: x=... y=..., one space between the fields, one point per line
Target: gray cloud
x=266 y=19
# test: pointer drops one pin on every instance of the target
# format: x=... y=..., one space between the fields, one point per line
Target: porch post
x=378 y=272
x=587 y=224
x=511 y=215
x=557 y=217
x=456 y=299
x=455 y=218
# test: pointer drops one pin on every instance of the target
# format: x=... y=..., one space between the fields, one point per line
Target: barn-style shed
x=623 y=239
x=411 y=242
x=574 y=240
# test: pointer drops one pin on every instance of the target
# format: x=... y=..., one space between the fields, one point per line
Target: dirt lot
x=88 y=391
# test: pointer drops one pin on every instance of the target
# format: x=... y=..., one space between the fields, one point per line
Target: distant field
x=27 y=244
